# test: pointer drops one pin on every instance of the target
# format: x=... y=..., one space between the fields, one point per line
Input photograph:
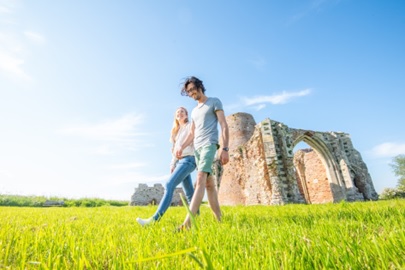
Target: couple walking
x=195 y=144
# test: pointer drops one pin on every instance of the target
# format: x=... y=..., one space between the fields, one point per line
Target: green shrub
x=391 y=193
x=38 y=201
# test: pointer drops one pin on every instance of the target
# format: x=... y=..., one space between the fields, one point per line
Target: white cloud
x=258 y=103
x=103 y=150
x=313 y=6
x=35 y=37
x=12 y=65
x=133 y=165
x=111 y=135
x=6 y=174
x=4 y=9
x=282 y=98
x=260 y=107
x=9 y=42
x=388 y=149
x=11 y=56
x=14 y=47
x=122 y=129
x=7 y=6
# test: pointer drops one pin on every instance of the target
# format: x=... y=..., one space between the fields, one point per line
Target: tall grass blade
x=208 y=261
x=181 y=252
x=193 y=221
x=196 y=260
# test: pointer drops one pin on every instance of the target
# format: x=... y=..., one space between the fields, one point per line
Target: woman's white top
x=181 y=136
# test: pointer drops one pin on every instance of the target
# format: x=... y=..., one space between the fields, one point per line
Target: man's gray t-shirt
x=206 y=122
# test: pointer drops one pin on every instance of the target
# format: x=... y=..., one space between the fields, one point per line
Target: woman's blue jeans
x=181 y=174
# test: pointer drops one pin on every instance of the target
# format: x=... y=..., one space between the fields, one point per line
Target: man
x=204 y=133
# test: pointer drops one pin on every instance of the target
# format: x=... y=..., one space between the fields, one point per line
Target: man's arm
x=224 y=136
x=189 y=139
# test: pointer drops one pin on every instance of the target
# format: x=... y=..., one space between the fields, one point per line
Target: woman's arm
x=189 y=139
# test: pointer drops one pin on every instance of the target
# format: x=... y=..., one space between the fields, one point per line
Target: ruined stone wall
x=262 y=171
x=245 y=184
x=312 y=179
x=145 y=195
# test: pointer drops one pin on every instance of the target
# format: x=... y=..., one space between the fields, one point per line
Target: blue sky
x=88 y=89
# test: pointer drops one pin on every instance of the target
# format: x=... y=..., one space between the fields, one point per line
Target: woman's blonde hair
x=176 y=125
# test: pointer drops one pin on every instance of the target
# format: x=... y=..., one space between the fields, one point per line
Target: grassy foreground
x=367 y=235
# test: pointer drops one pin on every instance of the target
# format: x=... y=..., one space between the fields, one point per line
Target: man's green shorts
x=204 y=157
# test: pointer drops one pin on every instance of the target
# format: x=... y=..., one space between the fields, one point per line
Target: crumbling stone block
x=264 y=170
x=145 y=195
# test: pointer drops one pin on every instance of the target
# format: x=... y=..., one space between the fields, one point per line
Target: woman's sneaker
x=144 y=222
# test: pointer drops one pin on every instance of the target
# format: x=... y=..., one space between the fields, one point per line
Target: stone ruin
x=264 y=170
x=50 y=203
x=145 y=195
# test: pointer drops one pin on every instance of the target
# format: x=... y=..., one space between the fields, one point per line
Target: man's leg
x=212 y=196
x=204 y=158
x=197 y=197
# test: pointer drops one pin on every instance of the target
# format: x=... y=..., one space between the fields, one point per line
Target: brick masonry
x=264 y=170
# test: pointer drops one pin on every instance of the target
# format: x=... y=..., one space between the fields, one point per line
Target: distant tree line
x=398 y=167
x=42 y=201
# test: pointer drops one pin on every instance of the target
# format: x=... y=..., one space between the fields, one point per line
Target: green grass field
x=366 y=235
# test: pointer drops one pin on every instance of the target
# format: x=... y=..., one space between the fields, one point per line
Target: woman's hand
x=179 y=152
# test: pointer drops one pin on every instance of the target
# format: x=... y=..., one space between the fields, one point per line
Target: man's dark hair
x=197 y=82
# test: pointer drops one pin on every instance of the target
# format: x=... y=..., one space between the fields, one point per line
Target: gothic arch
x=261 y=168
x=326 y=157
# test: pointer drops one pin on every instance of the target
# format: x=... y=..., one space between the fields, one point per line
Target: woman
x=180 y=168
